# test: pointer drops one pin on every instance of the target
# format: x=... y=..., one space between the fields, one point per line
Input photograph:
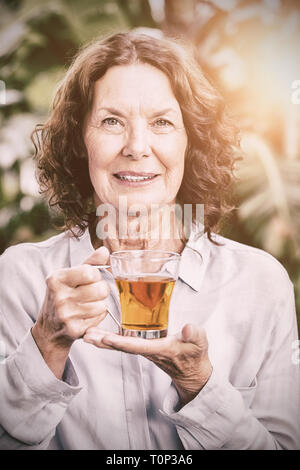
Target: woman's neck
x=168 y=239
x=115 y=244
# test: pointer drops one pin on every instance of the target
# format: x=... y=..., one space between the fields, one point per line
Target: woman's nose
x=137 y=143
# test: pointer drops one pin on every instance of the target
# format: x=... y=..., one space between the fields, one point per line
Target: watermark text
x=157 y=222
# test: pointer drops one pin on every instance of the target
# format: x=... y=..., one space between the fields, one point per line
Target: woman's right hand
x=74 y=301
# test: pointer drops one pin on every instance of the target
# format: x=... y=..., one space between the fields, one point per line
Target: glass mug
x=145 y=280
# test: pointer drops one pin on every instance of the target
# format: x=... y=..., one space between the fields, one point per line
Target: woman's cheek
x=172 y=148
x=103 y=151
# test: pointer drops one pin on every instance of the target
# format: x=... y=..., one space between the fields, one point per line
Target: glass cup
x=145 y=281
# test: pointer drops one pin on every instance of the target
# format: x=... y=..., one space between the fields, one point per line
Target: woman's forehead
x=133 y=87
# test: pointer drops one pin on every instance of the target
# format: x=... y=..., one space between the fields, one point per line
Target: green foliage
x=268 y=214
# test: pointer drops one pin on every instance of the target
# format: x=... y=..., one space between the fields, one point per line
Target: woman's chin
x=145 y=195
x=140 y=201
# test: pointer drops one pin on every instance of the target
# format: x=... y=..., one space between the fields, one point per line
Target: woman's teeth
x=135 y=178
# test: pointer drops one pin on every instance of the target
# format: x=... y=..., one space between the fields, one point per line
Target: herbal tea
x=145 y=302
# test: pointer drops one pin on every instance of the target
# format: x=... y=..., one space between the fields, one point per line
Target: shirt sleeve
x=33 y=400
x=263 y=416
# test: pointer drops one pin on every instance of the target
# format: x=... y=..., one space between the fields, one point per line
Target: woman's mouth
x=132 y=178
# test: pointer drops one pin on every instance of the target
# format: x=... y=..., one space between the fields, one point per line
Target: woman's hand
x=74 y=302
x=184 y=357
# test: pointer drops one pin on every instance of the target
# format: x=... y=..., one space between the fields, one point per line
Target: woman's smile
x=135 y=179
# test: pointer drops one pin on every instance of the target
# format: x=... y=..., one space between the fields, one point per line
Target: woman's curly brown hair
x=212 y=139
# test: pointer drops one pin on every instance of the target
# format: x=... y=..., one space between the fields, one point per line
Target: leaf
x=269 y=195
x=41 y=89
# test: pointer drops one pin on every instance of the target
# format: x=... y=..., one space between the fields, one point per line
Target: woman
x=135 y=118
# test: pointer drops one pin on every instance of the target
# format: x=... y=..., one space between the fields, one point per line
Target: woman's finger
x=94 y=335
x=90 y=309
x=72 y=277
x=196 y=335
x=91 y=292
x=99 y=257
x=128 y=344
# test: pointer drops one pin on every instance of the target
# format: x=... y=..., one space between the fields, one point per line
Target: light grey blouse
x=107 y=399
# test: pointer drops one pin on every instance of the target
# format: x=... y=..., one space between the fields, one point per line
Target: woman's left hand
x=184 y=356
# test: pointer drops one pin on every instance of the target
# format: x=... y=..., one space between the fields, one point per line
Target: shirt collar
x=80 y=248
x=194 y=257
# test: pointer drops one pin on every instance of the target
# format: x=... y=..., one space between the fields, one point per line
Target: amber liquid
x=145 y=302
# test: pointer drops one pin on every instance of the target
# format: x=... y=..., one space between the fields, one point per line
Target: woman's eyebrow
x=112 y=111
x=163 y=111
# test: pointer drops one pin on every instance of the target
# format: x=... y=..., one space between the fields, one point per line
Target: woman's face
x=135 y=137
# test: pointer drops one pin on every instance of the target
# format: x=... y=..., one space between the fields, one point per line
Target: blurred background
x=250 y=49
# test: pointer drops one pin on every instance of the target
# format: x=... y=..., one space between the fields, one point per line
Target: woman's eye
x=111 y=122
x=162 y=123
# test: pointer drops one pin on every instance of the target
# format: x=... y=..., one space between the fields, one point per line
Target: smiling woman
x=152 y=93
x=135 y=119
